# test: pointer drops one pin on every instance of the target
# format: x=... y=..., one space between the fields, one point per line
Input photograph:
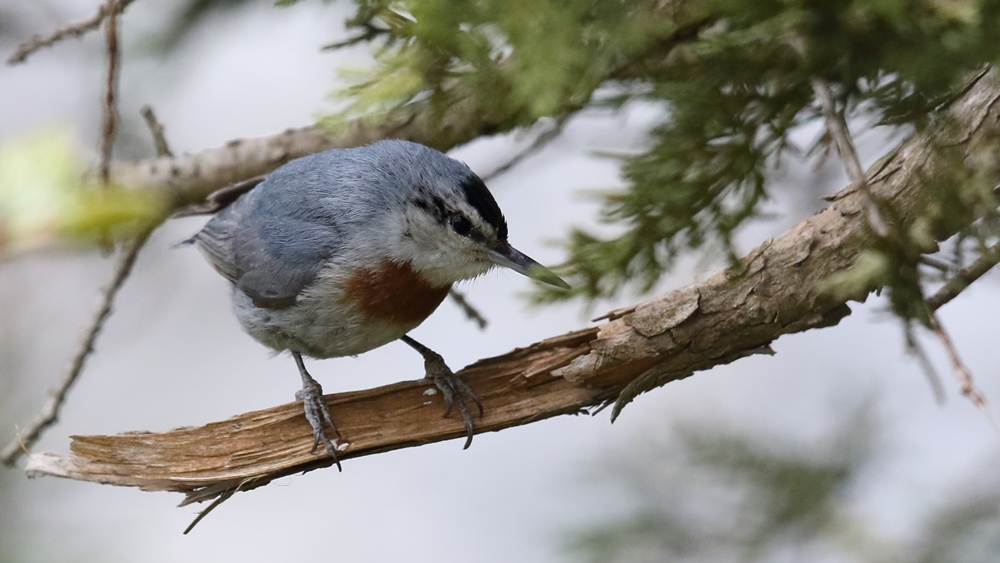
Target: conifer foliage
x=735 y=80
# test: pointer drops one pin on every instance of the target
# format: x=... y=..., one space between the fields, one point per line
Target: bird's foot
x=318 y=416
x=455 y=391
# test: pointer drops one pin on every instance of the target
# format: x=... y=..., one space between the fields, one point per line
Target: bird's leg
x=455 y=391
x=317 y=414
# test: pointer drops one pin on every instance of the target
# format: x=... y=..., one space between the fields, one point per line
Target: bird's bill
x=510 y=257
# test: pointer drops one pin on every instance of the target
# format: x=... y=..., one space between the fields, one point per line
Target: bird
x=346 y=250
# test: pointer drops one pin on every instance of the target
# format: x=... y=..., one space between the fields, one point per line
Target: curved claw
x=454 y=390
x=318 y=416
x=450 y=386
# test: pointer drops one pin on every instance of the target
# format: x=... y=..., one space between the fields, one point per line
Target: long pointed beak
x=509 y=257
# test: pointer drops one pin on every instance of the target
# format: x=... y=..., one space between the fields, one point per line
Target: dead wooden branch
x=736 y=313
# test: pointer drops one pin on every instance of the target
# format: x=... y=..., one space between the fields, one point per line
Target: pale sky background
x=174 y=355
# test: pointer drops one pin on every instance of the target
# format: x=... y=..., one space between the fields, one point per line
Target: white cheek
x=439 y=254
x=456 y=272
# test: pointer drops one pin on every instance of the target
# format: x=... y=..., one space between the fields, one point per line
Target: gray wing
x=272 y=242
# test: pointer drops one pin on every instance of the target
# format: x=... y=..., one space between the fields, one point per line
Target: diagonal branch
x=734 y=314
x=965 y=277
x=837 y=127
x=78 y=29
x=57 y=396
x=156 y=130
x=190 y=178
x=130 y=251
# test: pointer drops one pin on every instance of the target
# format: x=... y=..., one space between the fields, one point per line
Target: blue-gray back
x=273 y=241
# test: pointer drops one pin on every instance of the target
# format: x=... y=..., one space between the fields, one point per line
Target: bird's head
x=452 y=227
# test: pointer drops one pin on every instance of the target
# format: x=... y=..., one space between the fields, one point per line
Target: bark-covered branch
x=190 y=178
x=736 y=313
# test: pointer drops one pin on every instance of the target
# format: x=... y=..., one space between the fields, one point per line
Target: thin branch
x=966 y=383
x=540 y=142
x=471 y=312
x=78 y=29
x=914 y=347
x=156 y=130
x=50 y=411
x=189 y=178
x=836 y=125
x=130 y=250
x=964 y=277
x=371 y=32
x=939 y=265
x=110 y=90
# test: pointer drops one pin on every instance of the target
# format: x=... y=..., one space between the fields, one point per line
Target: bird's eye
x=460 y=224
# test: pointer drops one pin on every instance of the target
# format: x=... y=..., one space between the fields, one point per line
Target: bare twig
x=110 y=90
x=543 y=139
x=371 y=32
x=836 y=125
x=914 y=347
x=75 y=30
x=964 y=277
x=961 y=373
x=130 y=250
x=470 y=311
x=939 y=265
x=156 y=130
x=215 y=504
x=50 y=411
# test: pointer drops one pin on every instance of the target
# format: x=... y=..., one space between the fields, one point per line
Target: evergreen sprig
x=735 y=79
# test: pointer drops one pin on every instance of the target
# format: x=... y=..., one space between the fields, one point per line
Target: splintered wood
x=738 y=312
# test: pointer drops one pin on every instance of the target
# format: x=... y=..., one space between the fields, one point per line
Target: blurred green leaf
x=45 y=197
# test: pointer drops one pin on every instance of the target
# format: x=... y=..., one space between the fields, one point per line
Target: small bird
x=346 y=250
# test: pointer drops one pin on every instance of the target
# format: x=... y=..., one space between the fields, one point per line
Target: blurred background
x=833 y=449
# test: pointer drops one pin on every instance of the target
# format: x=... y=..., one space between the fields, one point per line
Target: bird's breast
x=346 y=312
x=393 y=292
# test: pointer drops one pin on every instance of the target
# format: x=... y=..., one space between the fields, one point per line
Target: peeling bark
x=734 y=314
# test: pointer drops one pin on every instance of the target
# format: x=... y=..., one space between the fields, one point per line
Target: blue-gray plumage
x=345 y=250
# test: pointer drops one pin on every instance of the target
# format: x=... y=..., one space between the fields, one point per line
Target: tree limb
x=57 y=396
x=734 y=314
x=188 y=179
x=78 y=29
x=837 y=127
x=965 y=277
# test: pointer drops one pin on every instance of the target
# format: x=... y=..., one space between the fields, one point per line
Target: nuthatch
x=346 y=250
